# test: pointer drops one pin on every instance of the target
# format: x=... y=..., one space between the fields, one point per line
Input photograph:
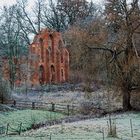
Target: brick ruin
x=49 y=59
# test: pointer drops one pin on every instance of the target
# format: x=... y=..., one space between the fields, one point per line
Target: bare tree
x=61 y=14
x=123 y=20
x=10 y=41
x=83 y=59
x=26 y=22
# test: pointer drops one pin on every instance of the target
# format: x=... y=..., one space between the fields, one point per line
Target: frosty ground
x=91 y=129
x=102 y=98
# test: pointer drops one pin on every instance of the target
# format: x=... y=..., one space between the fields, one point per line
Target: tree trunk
x=126 y=100
x=129 y=54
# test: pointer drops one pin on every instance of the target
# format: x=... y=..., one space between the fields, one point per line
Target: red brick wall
x=49 y=59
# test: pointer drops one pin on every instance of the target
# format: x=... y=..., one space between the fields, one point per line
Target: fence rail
x=21 y=104
x=68 y=109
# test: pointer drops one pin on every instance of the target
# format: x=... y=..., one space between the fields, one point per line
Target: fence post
x=110 y=124
x=33 y=105
x=14 y=103
x=103 y=134
x=7 y=128
x=131 y=125
x=53 y=106
x=20 y=126
x=2 y=100
x=68 y=109
x=50 y=136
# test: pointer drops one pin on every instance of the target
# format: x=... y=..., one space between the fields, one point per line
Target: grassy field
x=27 y=118
x=91 y=129
x=86 y=130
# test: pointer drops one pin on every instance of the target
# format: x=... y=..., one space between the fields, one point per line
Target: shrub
x=86 y=107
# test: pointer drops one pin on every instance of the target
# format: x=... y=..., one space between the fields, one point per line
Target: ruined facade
x=49 y=59
x=47 y=62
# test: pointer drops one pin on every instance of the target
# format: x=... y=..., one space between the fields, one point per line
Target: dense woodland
x=103 y=41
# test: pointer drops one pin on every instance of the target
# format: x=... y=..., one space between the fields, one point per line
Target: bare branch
x=103 y=49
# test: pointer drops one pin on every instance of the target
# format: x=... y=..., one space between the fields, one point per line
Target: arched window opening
x=50 y=41
x=60 y=46
x=52 y=74
x=41 y=75
x=52 y=69
x=62 y=74
x=62 y=59
x=41 y=41
x=33 y=50
x=42 y=50
x=47 y=56
x=51 y=47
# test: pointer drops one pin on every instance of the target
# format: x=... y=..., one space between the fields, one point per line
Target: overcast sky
x=7 y=2
x=10 y=2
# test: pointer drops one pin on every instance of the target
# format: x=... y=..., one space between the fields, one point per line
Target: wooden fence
x=37 y=105
x=68 y=109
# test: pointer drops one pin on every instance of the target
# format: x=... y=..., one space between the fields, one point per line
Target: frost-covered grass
x=56 y=97
x=26 y=117
x=86 y=130
x=102 y=98
x=92 y=129
x=18 y=138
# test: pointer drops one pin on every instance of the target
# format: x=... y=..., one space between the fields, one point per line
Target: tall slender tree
x=10 y=41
